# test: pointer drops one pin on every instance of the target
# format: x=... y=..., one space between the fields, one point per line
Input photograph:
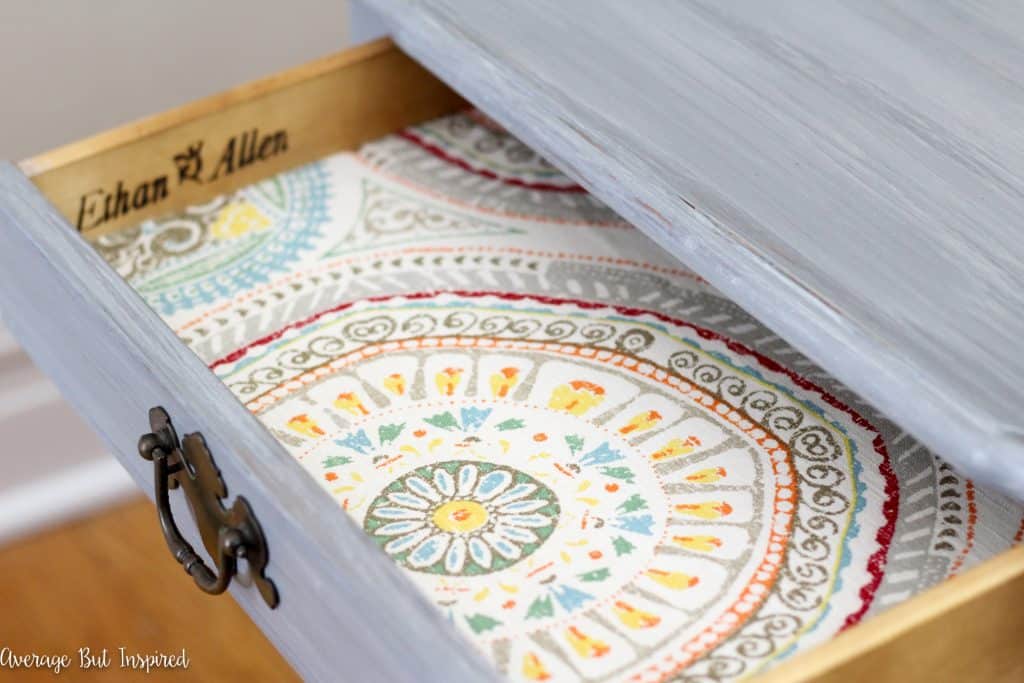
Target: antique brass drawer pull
x=229 y=534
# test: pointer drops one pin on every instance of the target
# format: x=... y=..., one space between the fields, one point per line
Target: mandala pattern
x=593 y=463
x=680 y=471
x=224 y=248
x=470 y=160
x=393 y=216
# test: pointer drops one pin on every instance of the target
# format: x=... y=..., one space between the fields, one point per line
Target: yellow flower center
x=460 y=516
x=238 y=219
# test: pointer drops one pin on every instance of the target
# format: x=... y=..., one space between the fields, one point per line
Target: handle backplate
x=229 y=534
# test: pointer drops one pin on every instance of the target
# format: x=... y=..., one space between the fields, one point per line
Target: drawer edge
x=967 y=628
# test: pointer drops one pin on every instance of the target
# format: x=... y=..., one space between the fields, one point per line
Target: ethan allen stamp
x=198 y=162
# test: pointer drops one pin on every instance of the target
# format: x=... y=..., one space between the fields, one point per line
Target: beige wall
x=69 y=68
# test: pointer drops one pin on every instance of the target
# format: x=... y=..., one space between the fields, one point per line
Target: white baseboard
x=73 y=492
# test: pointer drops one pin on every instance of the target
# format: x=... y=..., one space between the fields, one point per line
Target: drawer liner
x=594 y=463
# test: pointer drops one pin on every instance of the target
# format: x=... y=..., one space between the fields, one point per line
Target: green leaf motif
x=481 y=622
x=336 y=461
x=623 y=473
x=596 y=575
x=512 y=423
x=389 y=433
x=622 y=546
x=540 y=608
x=575 y=442
x=635 y=502
x=443 y=421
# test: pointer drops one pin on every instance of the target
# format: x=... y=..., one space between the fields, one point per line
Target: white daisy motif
x=462 y=518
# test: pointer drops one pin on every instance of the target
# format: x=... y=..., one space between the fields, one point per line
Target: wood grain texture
x=134 y=600
x=967 y=629
x=113 y=358
x=851 y=173
x=328 y=105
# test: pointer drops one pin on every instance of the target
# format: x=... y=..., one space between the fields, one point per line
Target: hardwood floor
x=109 y=582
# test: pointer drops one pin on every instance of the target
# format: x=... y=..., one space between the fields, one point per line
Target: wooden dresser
x=843 y=180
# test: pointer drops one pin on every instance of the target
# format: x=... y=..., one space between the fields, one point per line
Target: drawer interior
x=596 y=465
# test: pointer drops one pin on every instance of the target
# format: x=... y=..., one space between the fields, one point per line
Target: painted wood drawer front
x=566 y=456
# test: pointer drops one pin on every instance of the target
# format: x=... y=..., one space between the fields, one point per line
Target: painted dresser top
x=852 y=173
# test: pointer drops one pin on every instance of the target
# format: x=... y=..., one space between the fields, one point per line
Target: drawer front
x=344 y=605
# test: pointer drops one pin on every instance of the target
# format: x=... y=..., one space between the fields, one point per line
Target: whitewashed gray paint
x=347 y=611
x=849 y=171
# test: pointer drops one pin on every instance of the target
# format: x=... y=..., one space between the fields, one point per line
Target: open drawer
x=566 y=457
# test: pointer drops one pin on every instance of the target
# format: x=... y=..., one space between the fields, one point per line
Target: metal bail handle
x=228 y=534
